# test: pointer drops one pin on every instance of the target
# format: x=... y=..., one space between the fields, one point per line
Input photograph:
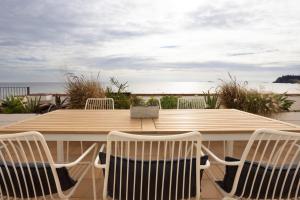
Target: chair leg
x=81 y=147
x=94 y=182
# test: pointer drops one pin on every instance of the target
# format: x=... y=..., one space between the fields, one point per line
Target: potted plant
x=142 y=109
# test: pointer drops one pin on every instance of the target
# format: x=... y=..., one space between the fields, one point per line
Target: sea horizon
x=163 y=87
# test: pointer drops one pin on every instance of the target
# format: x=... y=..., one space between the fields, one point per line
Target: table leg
x=229 y=147
x=60 y=151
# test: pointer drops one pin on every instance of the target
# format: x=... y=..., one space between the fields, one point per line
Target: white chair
x=267 y=169
x=99 y=104
x=191 y=103
x=95 y=104
x=152 y=167
x=27 y=169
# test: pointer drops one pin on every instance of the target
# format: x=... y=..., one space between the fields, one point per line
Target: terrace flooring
x=209 y=191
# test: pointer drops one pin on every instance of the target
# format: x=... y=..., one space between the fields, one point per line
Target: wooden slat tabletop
x=169 y=121
x=217 y=121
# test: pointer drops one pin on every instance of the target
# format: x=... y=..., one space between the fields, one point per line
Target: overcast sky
x=149 y=40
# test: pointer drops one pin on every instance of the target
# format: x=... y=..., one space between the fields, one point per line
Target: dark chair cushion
x=183 y=178
x=65 y=180
x=230 y=173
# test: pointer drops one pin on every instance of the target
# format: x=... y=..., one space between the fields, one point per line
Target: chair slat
x=27 y=169
x=269 y=167
x=99 y=104
x=156 y=167
x=191 y=103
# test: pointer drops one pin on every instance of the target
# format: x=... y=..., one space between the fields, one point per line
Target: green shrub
x=211 y=100
x=121 y=96
x=152 y=102
x=283 y=101
x=234 y=95
x=12 y=105
x=122 y=101
x=80 y=88
x=59 y=103
x=137 y=101
x=169 y=102
x=32 y=105
x=267 y=103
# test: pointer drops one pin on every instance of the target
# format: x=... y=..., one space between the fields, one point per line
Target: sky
x=149 y=40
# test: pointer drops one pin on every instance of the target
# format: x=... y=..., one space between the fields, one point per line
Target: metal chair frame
x=171 y=147
x=94 y=104
x=30 y=149
x=99 y=104
x=195 y=102
x=266 y=148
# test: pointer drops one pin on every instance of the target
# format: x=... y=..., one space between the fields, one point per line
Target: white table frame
x=61 y=138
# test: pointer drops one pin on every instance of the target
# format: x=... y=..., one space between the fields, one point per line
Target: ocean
x=162 y=87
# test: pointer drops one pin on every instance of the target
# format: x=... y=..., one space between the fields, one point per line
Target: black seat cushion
x=183 y=178
x=262 y=180
x=38 y=184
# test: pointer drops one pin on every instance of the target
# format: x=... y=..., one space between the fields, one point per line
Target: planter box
x=144 y=112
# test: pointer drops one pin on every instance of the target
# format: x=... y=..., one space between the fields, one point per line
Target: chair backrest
x=157 y=167
x=191 y=103
x=99 y=104
x=26 y=167
x=270 y=166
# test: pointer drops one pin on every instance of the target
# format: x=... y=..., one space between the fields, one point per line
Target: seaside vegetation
x=80 y=88
x=139 y=101
x=169 y=102
x=32 y=105
x=236 y=95
x=118 y=91
x=12 y=105
x=59 y=103
x=229 y=94
x=152 y=102
x=211 y=100
x=21 y=105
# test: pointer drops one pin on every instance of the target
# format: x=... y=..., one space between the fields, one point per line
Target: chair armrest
x=96 y=163
x=79 y=159
x=216 y=158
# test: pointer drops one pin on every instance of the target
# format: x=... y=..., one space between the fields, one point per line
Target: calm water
x=163 y=87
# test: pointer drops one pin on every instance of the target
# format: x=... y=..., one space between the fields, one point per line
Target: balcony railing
x=13 y=91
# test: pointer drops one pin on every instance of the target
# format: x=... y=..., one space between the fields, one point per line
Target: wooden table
x=93 y=125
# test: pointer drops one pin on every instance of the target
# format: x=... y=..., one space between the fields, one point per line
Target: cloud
x=62 y=22
x=9 y=43
x=228 y=15
x=253 y=53
x=119 y=62
x=241 y=54
x=169 y=47
x=145 y=63
x=131 y=37
x=230 y=66
x=30 y=59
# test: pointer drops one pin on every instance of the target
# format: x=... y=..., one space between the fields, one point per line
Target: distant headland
x=288 y=79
